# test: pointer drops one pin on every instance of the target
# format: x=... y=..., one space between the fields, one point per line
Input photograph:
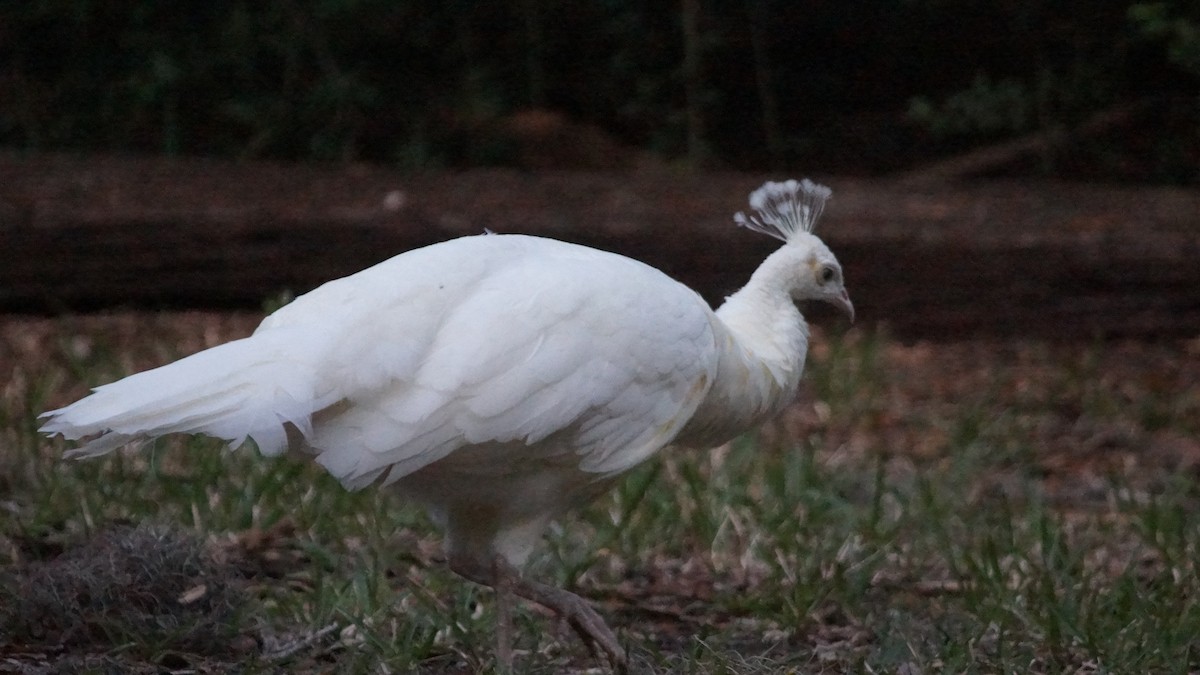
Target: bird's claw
x=596 y=634
x=602 y=645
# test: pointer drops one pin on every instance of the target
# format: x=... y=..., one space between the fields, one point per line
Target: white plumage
x=498 y=379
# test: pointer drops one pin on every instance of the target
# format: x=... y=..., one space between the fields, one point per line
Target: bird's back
x=500 y=352
x=491 y=356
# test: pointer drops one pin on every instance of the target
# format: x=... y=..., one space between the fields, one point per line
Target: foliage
x=421 y=83
x=1158 y=21
x=1053 y=63
x=415 y=81
x=1072 y=64
x=984 y=107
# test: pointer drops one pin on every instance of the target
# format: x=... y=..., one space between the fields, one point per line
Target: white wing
x=528 y=345
x=561 y=348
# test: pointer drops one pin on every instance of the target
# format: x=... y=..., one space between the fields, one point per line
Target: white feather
x=242 y=389
x=785 y=210
x=488 y=339
x=498 y=379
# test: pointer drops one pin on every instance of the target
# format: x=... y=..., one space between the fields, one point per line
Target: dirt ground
x=948 y=261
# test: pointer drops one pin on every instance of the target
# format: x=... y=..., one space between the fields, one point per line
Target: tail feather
x=248 y=388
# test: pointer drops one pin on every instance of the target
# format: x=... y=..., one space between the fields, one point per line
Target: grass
x=970 y=507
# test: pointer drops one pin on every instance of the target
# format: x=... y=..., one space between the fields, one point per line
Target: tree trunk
x=693 y=83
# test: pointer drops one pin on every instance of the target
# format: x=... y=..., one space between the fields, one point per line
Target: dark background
x=862 y=87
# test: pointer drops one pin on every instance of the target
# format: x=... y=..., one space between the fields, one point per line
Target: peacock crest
x=783 y=210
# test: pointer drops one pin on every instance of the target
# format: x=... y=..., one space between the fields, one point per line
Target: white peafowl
x=498 y=380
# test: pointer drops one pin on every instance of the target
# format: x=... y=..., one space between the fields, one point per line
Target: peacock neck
x=762 y=340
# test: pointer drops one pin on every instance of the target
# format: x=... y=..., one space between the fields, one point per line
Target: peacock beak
x=843 y=303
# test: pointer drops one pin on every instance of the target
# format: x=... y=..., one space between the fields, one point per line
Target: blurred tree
x=1080 y=80
x=693 y=82
x=1181 y=32
x=855 y=85
x=758 y=27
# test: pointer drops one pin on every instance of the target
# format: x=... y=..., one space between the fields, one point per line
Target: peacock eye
x=828 y=274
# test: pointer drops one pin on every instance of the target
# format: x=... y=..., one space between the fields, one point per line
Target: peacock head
x=805 y=266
